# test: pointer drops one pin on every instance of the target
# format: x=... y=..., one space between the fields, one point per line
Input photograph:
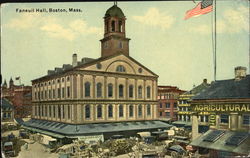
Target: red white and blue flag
x=203 y=7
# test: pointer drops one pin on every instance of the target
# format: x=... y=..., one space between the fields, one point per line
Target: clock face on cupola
x=114 y=40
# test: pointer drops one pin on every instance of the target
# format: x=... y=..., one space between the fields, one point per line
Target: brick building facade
x=167 y=102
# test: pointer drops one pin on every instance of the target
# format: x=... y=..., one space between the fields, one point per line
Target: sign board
x=222 y=107
x=91 y=138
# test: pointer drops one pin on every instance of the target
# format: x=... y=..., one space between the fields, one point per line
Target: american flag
x=203 y=7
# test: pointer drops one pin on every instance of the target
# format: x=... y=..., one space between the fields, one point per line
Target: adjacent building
x=228 y=103
x=167 y=102
x=7 y=111
x=111 y=94
x=19 y=96
x=184 y=107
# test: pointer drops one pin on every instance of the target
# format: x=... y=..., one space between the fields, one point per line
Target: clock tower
x=114 y=40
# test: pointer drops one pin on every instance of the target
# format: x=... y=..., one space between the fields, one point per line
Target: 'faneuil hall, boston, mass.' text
x=47 y=10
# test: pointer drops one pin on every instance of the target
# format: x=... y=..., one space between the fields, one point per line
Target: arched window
x=131 y=111
x=120 y=26
x=140 y=92
x=107 y=26
x=120 y=68
x=87 y=89
x=130 y=91
x=99 y=89
x=148 y=91
x=121 y=110
x=140 y=110
x=99 y=111
x=113 y=26
x=148 y=109
x=87 y=112
x=110 y=111
x=110 y=90
x=120 y=90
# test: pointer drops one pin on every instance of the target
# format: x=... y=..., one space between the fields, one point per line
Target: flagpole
x=215 y=41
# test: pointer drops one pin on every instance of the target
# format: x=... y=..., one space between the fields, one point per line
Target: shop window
x=224 y=118
x=246 y=119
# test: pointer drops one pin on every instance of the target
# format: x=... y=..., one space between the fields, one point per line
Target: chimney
x=205 y=81
x=74 y=60
x=240 y=72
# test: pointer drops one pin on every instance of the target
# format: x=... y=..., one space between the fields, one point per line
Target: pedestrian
x=26 y=146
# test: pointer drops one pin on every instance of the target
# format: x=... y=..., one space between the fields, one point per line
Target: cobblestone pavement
x=36 y=150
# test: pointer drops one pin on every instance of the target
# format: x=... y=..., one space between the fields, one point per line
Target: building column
x=93 y=87
x=195 y=125
x=144 y=89
x=78 y=86
x=81 y=86
x=152 y=90
x=105 y=87
x=233 y=118
x=116 y=91
x=240 y=121
x=78 y=113
x=136 y=89
x=217 y=122
x=126 y=89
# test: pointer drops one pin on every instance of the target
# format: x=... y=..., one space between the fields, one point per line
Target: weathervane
x=115 y=2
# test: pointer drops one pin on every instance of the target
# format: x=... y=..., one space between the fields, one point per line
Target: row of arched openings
x=120 y=90
x=99 y=111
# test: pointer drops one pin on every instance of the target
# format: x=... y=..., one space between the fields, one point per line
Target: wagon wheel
x=174 y=154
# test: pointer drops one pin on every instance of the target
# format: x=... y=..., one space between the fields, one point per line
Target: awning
x=71 y=130
x=44 y=132
x=220 y=143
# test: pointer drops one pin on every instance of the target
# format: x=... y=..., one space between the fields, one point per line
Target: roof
x=5 y=103
x=220 y=144
x=227 y=89
x=114 y=11
x=85 y=129
x=91 y=61
x=196 y=90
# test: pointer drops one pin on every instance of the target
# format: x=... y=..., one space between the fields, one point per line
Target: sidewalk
x=36 y=150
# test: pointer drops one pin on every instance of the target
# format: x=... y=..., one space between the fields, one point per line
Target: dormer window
x=120 y=68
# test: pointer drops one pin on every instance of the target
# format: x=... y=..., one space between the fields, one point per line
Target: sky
x=179 y=51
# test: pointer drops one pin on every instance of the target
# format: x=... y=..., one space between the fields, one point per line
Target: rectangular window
x=160 y=113
x=54 y=93
x=224 y=118
x=167 y=114
x=160 y=105
x=69 y=112
x=58 y=93
x=68 y=91
x=49 y=94
x=63 y=92
x=246 y=119
x=175 y=105
x=167 y=105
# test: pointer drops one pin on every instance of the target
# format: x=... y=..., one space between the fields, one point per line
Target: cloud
x=57 y=31
x=82 y=27
x=154 y=17
x=232 y=21
x=52 y=26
